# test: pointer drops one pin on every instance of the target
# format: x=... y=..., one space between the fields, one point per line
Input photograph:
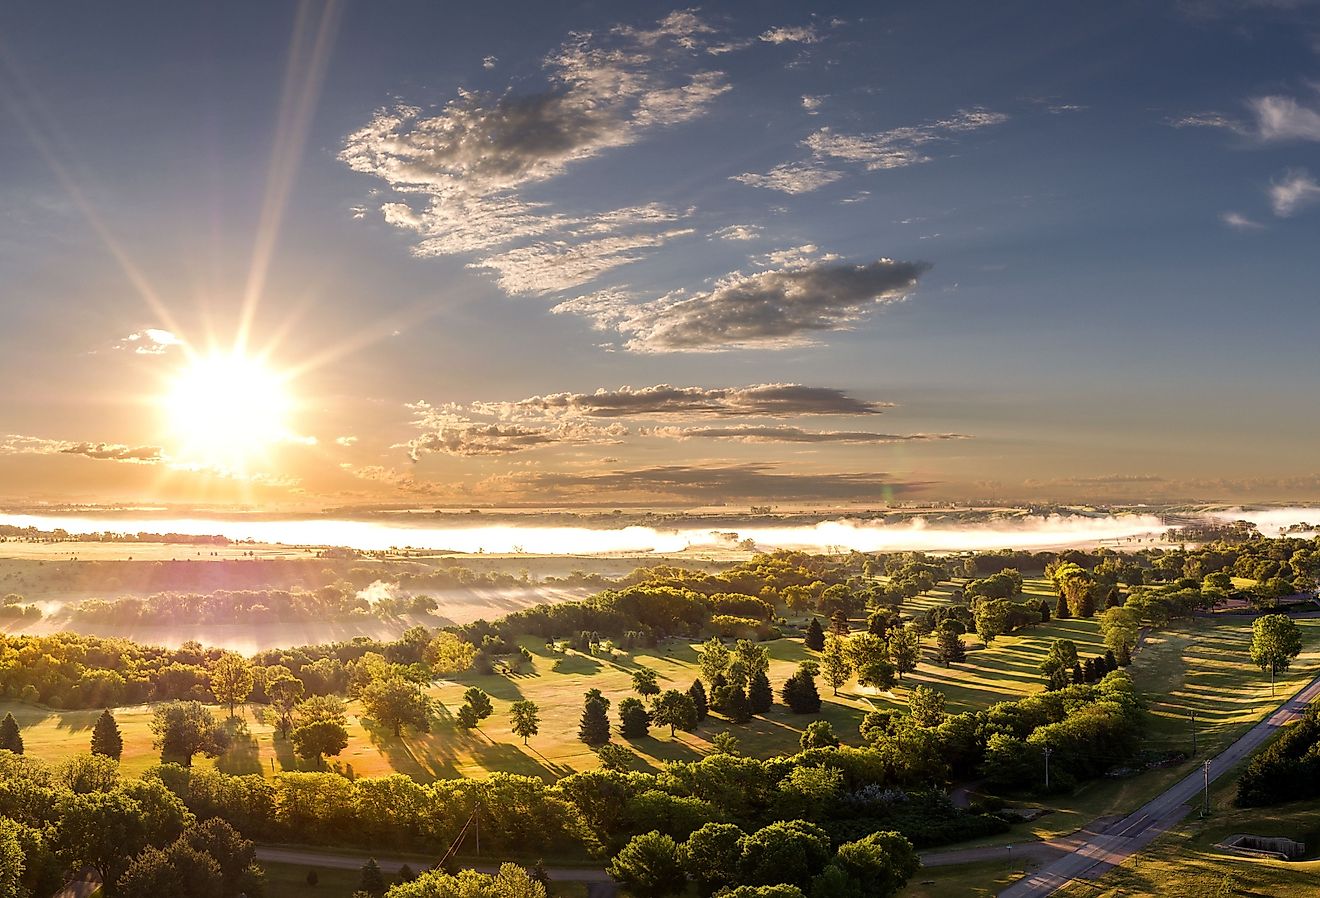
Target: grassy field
x=556 y=683
x=1198 y=664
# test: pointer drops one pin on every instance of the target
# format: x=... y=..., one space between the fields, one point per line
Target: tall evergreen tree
x=106 y=738
x=1061 y=611
x=595 y=727
x=949 y=648
x=800 y=694
x=734 y=705
x=1111 y=661
x=1124 y=657
x=10 y=738
x=1078 y=674
x=760 y=697
x=634 y=719
x=698 y=693
x=1044 y=611
x=815 y=638
x=373 y=880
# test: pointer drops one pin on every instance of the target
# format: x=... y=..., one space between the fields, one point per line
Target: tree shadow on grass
x=576 y=664
x=243 y=756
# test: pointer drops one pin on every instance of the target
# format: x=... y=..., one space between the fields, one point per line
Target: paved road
x=1097 y=852
x=599 y=883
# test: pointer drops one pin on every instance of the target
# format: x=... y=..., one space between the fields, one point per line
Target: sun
x=227 y=409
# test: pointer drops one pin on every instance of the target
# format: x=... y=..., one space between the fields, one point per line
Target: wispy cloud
x=447 y=431
x=738 y=232
x=149 y=341
x=790 y=177
x=17 y=444
x=1239 y=222
x=664 y=401
x=1293 y=192
x=768 y=309
x=750 y=433
x=458 y=172
x=791 y=34
x=898 y=147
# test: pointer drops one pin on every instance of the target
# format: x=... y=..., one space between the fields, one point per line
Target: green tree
x=1061 y=611
x=235 y=855
x=525 y=719
x=372 y=880
x=12 y=860
x=698 y=693
x=649 y=866
x=1275 y=642
x=395 y=703
x=800 y=694
x=949 y=648
x=178 y=869
x=818 y=734
x=319 y=739
x=834 y=665
x=1061 y=656
x=231 y=680
x=926 y=706
x=711 y=855
x=714 y=659
x=594 y=729
x=725 y=743
x=10 y=738
x=106 y=738
x=476 y=707
x=991 y=618
x=675 y=710
x=634 y=719
x=284 y=692
x=644 y=682
x=733 y=703
x=447 y=654
x=184 y=730
x=790 y=852
x=877 y=866
x=760 y=697
x=815 y=636
x=905 y=650
x=88 y=773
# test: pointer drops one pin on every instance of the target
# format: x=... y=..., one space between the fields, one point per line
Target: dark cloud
x=768 y=309
x=115 y=452
x=705 y=484
x=17 y=444
x=663 y=400
x=746 y=433
x=445 y=432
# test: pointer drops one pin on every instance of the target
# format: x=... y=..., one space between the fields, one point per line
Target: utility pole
x=1207 y=789
x=1048 y=752
x=1193 y=716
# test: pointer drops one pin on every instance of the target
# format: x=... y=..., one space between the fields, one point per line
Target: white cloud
x=738 y=232
x=1239 y=222
x=1295 y=191
x=1283 y=118
x=899 y=147
x=346 y=441
x=791 y=34
x=149 y=341
x=812 y=104
x=489 y=62
x=790 y=177
x=458 y=172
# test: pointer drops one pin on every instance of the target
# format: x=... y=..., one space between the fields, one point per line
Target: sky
x=339 y=254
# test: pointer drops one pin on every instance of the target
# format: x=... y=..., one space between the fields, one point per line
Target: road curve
x=1097 y=852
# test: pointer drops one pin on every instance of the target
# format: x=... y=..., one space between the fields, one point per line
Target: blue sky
x=1062 y=250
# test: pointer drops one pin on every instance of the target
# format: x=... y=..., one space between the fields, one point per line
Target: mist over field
x=840 y=534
